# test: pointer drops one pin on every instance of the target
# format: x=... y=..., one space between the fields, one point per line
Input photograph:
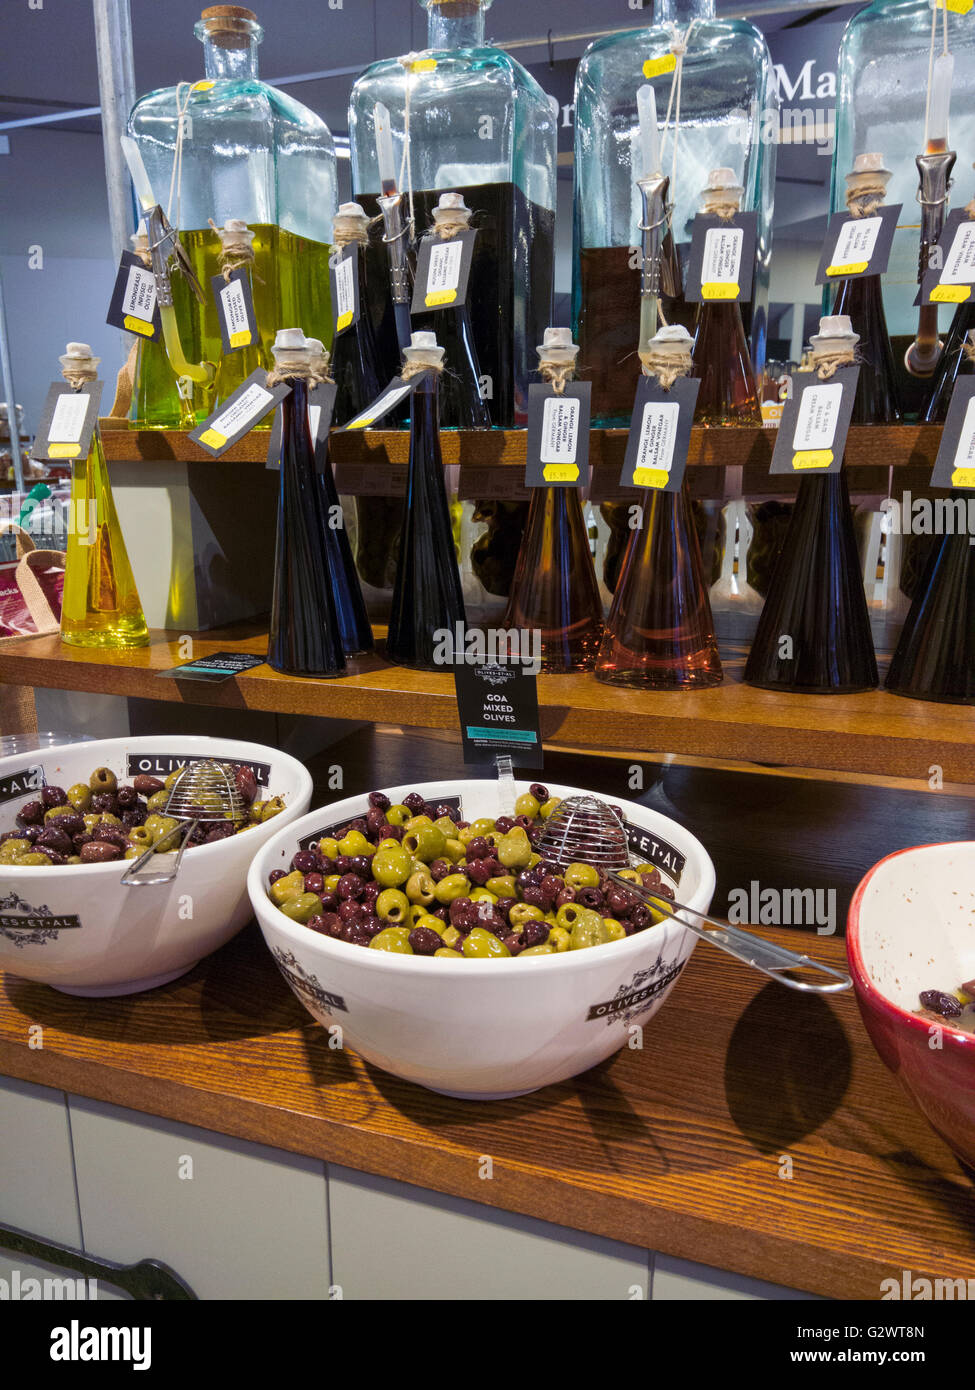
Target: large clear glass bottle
x=480 y=125
x=250 y=152
x=101 y=605
x=727 y=87
x=554 y=589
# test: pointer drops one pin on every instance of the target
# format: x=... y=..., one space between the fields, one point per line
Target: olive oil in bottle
x=156 y=399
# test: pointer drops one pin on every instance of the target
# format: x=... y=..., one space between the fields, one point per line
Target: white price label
x=345 y=291
x=722 y=255
x=965 y=453
x=959 y=267
x=445 y=260
x=314 y=416
x=234 y=310
x=855 y=244
x=658 y=436
x=560 y=429
x=382 y=407
x=68 y=420
x=819 y=413
x=254 y=403
x=139 y=299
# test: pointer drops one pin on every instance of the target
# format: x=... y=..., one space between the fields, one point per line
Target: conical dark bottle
x=305 y=637
x=354 y=353
x=861 y=299
x=461 y=403
x=814 y=632
x=728 y=394
x=349 y=604
x=554 y=590
x=957 y=360
x=935 y=657
x=427 y=595
x=660 y=632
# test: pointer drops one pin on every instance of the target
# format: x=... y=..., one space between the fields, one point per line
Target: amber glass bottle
x=728 y=394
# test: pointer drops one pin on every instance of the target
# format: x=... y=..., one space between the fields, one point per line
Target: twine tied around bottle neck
x=666 y=366
x=721 y=202
x=866 y=195
x=557 y=373
x=826 y=361
x=968 y=347
x=144 y=254
x=450 y=221
x=236 y=250
x=412 y=369
x=78 y=375
x=346 y=230
x=970 y=210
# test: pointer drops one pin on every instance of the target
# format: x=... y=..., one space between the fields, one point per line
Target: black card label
x=321 y=406
x=18 y=785
x=857 y=246
x=68 y=421
x=660 y=434
x=955 y=464
x=498 y=708
x=396 y=391
x=343 y=270
x=235 y=310
x=443 y=269
x=558 y=435
x=721 y=264
x=239 y=413
x=950 y=276
x=9 y=922
x=815 y=423
x=219 y=667
x=333 y=830
x=162 y=764
x=133 y=305
x=653 y=850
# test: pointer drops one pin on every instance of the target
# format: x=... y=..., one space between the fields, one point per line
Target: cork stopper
x=235 y=230
x=558 y=347
x=867 y=180
x=870 y=164
x=140 y=239
x=229 y=26
x=451 y=214
x=672 y=340
x=78 y=355
x=352 y=211
x=723 y=193
x=424 y=350
x=835 y=334
x=290 y=350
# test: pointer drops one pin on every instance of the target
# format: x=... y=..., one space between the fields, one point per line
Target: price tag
x=815 y=423
x=955 y=464
x=68 y=421
x=344 y=272
x=443 y=270
x=498 y=709
x=133 y=306
x=239 y=413
x=558 y=435
x=222 y=666
x=321 y=404
x=660 y=435
x=857 y=246
x=235 y=310
x=656 y=67
x=721 y=262
x=951 y=263
x=397 y=390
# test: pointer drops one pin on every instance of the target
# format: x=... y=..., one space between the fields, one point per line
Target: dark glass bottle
x=956 y=360
x=660 y=632
x=305 y=637
x=427 y=595
x=462 y=406
x=935 y=657
x=355 y=356
x=877 y=398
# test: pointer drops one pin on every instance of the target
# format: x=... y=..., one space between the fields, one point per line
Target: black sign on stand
x=722 y=258
x=498 y=707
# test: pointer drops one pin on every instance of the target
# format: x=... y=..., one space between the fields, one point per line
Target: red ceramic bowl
x=911 y=927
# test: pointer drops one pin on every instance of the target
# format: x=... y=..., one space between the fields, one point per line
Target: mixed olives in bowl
x=416 y=878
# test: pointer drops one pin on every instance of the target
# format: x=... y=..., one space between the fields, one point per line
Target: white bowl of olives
x=70 y=818
x=423 y=924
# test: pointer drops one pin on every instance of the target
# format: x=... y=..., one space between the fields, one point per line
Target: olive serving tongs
x=204 y=793
x=585 y=830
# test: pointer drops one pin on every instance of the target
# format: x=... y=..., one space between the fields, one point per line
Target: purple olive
x=54 y=796
x=379 y=800
x=31 y=813
x=425 y=941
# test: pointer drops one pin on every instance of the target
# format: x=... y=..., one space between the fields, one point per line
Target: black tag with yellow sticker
x=558 y=435
x=721 y=263
x=950 y=276
x=235 y=310
x=239 y=413
x=443 y=268
x=660 y=434
x=68 y=421
x=857 y=246
x=955 y=464
x=815 y=423
x=133 y=306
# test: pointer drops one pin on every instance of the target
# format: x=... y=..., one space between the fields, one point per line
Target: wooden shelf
x=870 y=733
x=676 y=1147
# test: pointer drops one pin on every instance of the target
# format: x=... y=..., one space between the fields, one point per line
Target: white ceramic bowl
x=76 y=927
x=483 y=1030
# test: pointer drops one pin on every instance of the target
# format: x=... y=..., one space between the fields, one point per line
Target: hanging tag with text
x=955 y=464
x=558 y=435
x=343 y=270
x=857 y=246
x=721 y=262
x=443 y=270
x=239 y=413
x=950 y=276
x=235 y=310
x=497 y=704
x=68 y=420
x=660 y=434
x=397 y=390
x=815 y=423
x=133 y=305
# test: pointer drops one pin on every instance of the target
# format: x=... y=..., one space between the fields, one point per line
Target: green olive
x=524 y=912
x=11 y=848
x=33 y=859
x=397 y=815
x=548 y=807
x=160 y=827
x=103 y=780
x=416 y=823
x=587 y=930
x=106 y=818
x=426 y=842
x=255 y=813
x=446 y=827
x=631 y=876
x=502 y=887
x=559 y=938
x=169 y=782
x=466 y=835
x=272 y=808
x=527 y=805
x=80 y=796
x=288 y=887
x=482 y=895
x=581 y=876
x=302 y=907
x=53 y=812
x=129 y=854
x=328 y=847
x=420 y=888
x=615 y=931
x=483 y=826
x=139 y=835
x=391 y=867
x=483 y=945
x=354 y=843
x=392 y=939
x=331 y=882
x=451 y=887
x=92 y=818
x=453 y=850
x=450 y=936
x=432 y=923
x=446 y=951
x=544 y=950
x=383 y=844
x=392 y=905
x=417 y=913
x=515 y=849
x=158 y=801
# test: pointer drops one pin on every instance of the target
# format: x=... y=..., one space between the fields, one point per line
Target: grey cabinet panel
x=392 y=1241
x=233 y=1219
x=37 y=1188
x=59 y=1285
x=683 y=1280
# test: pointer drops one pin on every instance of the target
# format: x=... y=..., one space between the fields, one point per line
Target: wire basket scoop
x=585 y=830
x=204 y=793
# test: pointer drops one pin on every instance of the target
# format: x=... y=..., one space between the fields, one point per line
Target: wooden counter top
x=756 y=1131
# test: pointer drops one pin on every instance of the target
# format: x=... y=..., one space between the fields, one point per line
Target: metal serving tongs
x=586 y=830
x=204 y=793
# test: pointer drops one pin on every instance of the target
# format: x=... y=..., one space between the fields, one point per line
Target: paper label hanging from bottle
x=235 y=310
x=396 y=391
x=68 y=421
x=955 y=464
x=239 y=413
x=344 y=271
x=815 y=422
x=950 y=276
x=660 y=434
x=443 y=271
x=133 y=306
x=721 y=261
x=557 y=441
x=857 y=246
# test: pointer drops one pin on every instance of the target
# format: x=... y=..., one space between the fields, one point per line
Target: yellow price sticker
x=424 y=65
x=214 y=438
x=950 y=294
x=202 y=86
x=560 y=472
x=440 y=297
x=963 y=477
x=812 y=458
x=343 y=321
x=656 y=67
x=137 y=326
x=720 y=289
x=63 y=451
x=361 y=424
x=650 y=477
x=241 y=339
x=955 y=6
x=854 y=268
